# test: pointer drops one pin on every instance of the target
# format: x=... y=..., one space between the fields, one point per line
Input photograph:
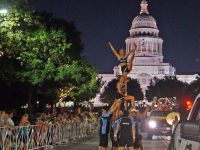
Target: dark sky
x=101 y=21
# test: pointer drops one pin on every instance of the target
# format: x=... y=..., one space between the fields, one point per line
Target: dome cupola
x=144 y=24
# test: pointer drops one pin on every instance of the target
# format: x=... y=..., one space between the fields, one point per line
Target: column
x=161 y=49
x=151 y=47
x=138 y=46
x=127 y=47
x=156 y=48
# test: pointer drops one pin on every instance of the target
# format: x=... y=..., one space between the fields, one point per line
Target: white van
x=187 y=133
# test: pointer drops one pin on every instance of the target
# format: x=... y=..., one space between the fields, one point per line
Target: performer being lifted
x=124 y=66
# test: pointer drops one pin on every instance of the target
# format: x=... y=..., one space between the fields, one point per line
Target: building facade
x=148 y=62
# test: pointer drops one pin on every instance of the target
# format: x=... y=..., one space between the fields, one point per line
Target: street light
x=3 y=11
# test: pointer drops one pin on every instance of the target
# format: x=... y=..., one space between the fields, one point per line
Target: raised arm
x=114 y=51
x=112 y=108
x=132 y=51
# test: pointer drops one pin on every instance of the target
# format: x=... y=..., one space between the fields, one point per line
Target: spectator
x=2 y=118
x=24 y=123
x=175 y=123
x=9 y=124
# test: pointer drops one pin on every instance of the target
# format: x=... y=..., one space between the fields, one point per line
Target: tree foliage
x=194 y=88
x=110 y=91
x=166 y=87
x=172 y=87
x=44 y=53
x=70 y=31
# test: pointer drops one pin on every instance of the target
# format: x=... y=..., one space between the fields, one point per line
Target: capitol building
x=148 y=62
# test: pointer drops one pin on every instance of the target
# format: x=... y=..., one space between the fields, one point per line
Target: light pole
x=3 y=11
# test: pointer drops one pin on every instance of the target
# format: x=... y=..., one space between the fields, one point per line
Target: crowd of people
x=68 y=118
x=46 y=128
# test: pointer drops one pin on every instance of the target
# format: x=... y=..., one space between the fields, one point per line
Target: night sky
x=101 y=21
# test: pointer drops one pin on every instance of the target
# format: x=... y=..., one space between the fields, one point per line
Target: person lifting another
x=122 y=96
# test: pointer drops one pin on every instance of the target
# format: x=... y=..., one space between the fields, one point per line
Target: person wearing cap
x=135 y=123
x=137 y=117
x=126 y=132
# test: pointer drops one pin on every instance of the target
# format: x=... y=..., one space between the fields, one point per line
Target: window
x=161 y=71
x=143 y=81
x=195 y=115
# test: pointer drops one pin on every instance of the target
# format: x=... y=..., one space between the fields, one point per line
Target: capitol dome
x=144 y=24
x=144 y=20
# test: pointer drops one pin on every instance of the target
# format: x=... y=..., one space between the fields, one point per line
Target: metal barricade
x=37 y=137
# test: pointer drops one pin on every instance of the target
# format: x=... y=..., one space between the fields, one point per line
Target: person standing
x=104 y=129
x=9 y=125
x=135 y=123
x=112 y=130
x=24 y=130
x=137 y=117
x=126 y=132
x=175 y=123
x=114 y=122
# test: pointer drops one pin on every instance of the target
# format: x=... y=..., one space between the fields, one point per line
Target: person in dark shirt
x=112 y=129
x=113 y=126
x=126 y=132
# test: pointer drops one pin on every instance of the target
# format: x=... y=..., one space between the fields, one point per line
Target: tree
x=169 y=87
x=166 y=87
x=109 y=93
x=72 y=34
x=42 y=56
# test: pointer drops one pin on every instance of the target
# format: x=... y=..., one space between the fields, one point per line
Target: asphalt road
x=92 y=144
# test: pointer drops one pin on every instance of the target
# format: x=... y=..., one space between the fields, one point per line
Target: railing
x=42 y=136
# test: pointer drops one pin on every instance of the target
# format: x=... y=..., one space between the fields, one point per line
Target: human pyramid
x=125 y=67
x=122 y=121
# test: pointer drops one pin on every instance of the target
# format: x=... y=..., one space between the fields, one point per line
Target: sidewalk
x=91 y=143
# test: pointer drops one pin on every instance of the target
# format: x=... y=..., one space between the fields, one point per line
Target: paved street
x=92 y=143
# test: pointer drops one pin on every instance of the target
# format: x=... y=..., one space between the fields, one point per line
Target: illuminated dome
x=144 y=24
x=144 y=20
